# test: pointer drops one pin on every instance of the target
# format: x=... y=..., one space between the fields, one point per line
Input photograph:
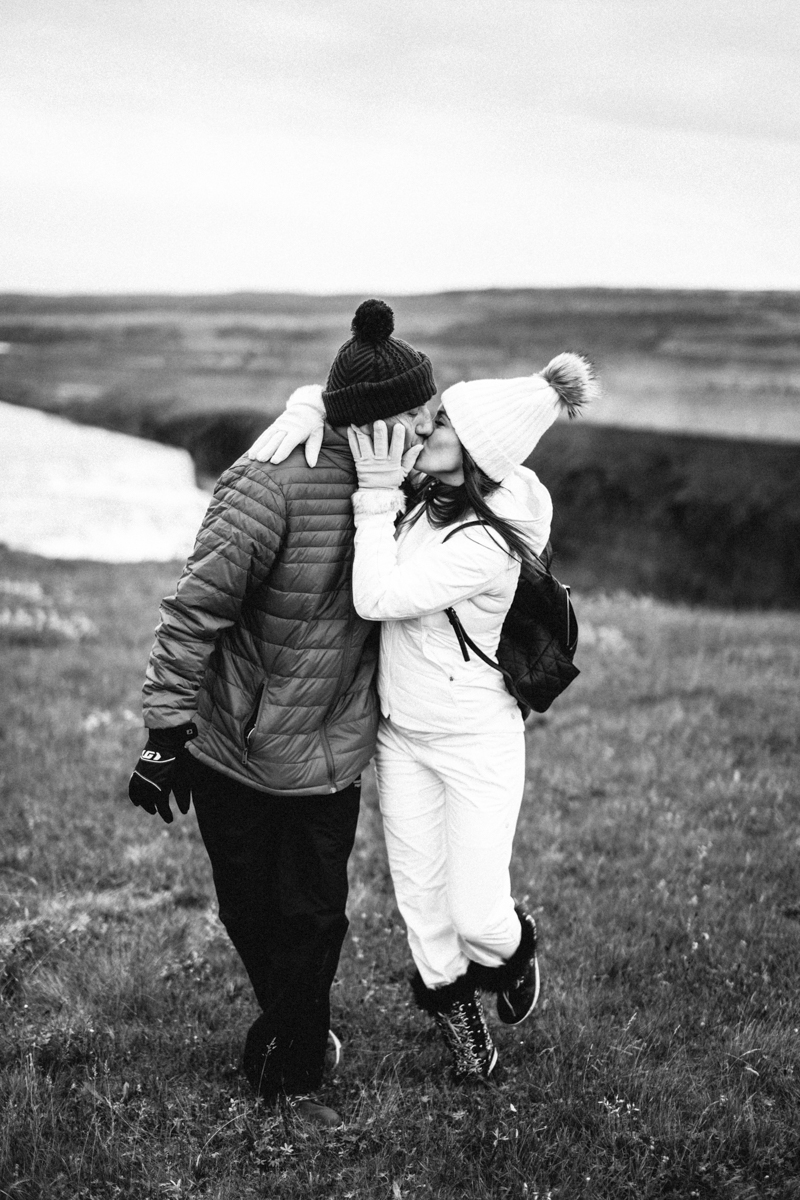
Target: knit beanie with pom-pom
x=375 y=375
x=499 y=421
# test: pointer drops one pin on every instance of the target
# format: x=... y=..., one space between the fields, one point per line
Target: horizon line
x=239 y=293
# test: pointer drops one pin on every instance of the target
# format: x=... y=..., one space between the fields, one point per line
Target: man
x=260 y=704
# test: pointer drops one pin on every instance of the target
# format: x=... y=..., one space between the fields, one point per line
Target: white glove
x=302 y=421
x=381 y=465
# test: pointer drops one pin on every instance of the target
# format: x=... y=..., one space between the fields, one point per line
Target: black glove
x=161 y=769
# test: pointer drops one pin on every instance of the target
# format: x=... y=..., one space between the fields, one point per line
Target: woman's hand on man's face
x=381 y=462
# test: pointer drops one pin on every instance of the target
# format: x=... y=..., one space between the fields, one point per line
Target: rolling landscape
x=658 y=841
x=682 y=481
x=699 y=362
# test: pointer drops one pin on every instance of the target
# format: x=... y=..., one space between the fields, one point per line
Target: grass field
x=659 y=846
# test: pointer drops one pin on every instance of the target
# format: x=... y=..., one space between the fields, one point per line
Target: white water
x=74 y=491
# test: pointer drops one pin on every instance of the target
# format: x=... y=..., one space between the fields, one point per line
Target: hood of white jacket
x=527 y=502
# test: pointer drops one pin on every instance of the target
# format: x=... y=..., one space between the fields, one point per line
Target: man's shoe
x=309 y=1108
x=516 y=998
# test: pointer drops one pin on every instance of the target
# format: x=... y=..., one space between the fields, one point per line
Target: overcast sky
x=361 y=145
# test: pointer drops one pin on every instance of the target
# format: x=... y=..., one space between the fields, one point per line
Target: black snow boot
x=516 y=982
x=457 y=1010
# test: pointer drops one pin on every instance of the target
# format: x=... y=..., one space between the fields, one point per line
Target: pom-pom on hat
x=499 y=421
x=375 y=375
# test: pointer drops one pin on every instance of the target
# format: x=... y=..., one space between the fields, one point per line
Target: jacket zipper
x=250 y=725
x=326 y=750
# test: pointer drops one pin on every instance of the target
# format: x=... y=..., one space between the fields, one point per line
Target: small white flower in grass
x=23 y=589
x=44 y=625
x=96 y=720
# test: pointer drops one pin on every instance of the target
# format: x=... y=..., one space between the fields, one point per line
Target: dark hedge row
x=701 y=519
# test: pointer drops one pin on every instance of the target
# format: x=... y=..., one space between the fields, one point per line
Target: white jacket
x=409 y=580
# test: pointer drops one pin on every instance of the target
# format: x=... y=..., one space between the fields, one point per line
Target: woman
x=451 y=753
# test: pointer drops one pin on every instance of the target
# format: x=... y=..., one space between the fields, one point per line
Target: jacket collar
x=336 y=446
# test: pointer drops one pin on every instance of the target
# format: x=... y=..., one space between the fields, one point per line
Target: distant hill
x=701 y=362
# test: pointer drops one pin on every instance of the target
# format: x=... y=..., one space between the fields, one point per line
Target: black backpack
x=538 y=639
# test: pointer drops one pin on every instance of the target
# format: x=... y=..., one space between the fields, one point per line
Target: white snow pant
x=450 y=804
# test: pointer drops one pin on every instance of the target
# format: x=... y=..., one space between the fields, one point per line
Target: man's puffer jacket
x=261 y=644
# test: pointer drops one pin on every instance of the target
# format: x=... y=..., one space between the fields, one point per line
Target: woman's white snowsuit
x=451 y=750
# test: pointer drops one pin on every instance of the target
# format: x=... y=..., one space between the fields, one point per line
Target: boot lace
x=467 y=1036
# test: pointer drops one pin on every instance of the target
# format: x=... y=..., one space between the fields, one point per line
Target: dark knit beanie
x=375 y=375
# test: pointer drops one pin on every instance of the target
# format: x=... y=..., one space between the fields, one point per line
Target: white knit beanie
x=499 y=421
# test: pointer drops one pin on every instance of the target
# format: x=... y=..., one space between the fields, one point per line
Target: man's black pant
x=280 y=871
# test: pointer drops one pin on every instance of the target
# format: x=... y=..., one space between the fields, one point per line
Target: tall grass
x=658 y=846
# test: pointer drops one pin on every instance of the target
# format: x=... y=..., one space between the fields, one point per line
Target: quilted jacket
x=260 y=645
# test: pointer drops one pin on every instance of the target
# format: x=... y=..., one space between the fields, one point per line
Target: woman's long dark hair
x=448 y=504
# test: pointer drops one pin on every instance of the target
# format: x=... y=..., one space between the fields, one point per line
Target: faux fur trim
x=309 y=393
x=497 y=979
x=572 y=378
x=374 y=502
x=437 y=1000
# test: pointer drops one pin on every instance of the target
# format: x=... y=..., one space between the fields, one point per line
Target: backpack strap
x=457 y=528
x=545 y=557
x=465 y=640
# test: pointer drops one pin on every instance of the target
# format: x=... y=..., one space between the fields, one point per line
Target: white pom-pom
x=572 y=378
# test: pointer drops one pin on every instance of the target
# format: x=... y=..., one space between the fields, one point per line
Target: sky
x=417 y=146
